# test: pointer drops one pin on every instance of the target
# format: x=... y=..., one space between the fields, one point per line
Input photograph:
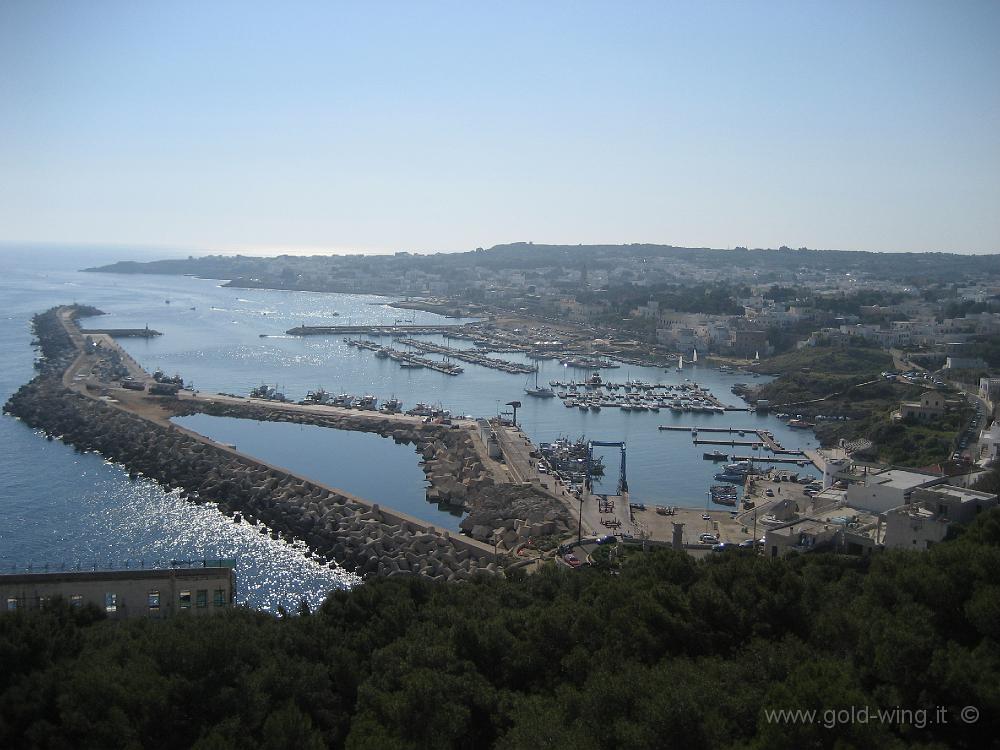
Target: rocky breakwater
x=455 y=472
x=336 y=526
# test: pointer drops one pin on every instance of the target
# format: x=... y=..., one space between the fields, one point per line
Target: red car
x=572 y=560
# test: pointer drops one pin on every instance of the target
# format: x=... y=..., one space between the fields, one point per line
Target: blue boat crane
x=622 y=479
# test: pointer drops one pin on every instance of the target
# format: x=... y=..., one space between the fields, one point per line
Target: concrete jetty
x=121 y=333
x=406 y=358
x=472 y=357
x=731 y=443
x=375 y=330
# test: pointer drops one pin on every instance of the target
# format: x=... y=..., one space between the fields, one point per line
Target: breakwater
x=335 y=525
x=450 y=460
x=121 y=333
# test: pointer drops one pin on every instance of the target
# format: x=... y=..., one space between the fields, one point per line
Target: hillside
x=854 y=361
x=670 y=653
x=284 y=271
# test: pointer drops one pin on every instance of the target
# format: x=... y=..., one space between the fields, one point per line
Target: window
x=76 y=600
x=43 y=602
x=110 y=602
x=185 y=600
x=154 y=601
x=220 y=598
x=201 y=598
x=11 y=604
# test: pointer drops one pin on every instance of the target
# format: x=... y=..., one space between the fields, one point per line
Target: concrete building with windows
x=953 y=503
x=913 y=527
x=152 y=593
x=930 y=406
x=925 y=520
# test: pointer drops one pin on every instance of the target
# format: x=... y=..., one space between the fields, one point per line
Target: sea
x=62 y=509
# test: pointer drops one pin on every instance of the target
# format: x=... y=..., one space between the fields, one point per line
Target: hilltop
x=648 y=263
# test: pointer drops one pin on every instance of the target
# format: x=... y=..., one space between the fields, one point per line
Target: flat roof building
x=151 y=593
x=888 y=489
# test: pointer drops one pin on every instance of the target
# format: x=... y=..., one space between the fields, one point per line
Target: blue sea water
x=59 y=506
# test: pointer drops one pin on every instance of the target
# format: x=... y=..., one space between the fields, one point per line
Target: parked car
x=708 y=538
x=572 y=560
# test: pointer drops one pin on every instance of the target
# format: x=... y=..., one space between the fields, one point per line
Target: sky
x=438 y=126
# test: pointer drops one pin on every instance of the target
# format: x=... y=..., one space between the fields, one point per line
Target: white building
x=990 y=440
x=926 y=519
x=888 y=489
x=913 y=527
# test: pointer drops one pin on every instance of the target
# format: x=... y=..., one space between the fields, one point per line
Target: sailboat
x=694 y=359
x=539 y=391
x=680 y=362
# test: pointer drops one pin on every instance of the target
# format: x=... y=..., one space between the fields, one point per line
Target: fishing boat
x=728 y=477
x=392 y=406
x=319 y=396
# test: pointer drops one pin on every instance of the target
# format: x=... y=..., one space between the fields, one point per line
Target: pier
x=801 y=461
x=731 y=443
x=390 y=330
x=472 y=357
x=122 y=333
x=405 y=358
x=765 y=439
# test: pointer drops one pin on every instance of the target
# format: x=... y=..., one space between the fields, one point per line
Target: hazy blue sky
x=443 y=126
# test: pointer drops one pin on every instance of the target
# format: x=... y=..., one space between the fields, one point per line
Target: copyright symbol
x=970 y=714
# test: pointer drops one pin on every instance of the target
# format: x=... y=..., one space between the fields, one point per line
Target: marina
x=406 y=360
x=472 y=357
x=217 y=346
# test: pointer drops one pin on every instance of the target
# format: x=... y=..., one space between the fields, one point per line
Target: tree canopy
x=671 y=652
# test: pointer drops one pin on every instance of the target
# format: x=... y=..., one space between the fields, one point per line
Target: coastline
x=336 y=526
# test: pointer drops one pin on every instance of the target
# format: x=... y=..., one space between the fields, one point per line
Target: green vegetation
x=669 y=653
x=860 y=362
x=849 y=383
x=905 y=443
x=836 y=375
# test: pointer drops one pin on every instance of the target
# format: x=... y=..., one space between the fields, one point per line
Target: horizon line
x=265 y=251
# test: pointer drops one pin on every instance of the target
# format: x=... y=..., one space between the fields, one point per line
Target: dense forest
x=670 y=652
